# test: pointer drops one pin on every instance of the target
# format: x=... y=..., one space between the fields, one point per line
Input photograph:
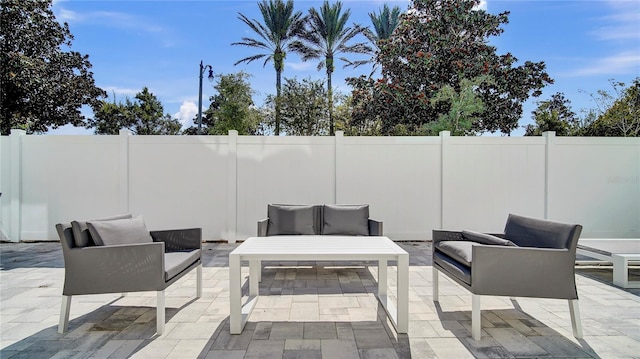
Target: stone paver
x=306 y=310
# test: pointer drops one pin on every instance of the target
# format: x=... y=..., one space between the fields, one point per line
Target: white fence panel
x=399 y=177
x=287 y=170
x=596 y=182
x=180 y=182
x=66 y=178
x=486 y=178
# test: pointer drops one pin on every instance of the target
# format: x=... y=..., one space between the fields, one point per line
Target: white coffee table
x=307 y=248
x=618 y=251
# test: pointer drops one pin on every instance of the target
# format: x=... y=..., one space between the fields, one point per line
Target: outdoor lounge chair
x=533 y=258
x=118 y=255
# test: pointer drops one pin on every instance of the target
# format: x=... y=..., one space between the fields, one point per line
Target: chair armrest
x=523 y=272
x=114 y=269
x=263 y=224
x=439 y=235
x=375 y=227
x=176 y=240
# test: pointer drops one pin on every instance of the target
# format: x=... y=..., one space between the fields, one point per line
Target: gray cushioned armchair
x=532 y=258
x=122 y=268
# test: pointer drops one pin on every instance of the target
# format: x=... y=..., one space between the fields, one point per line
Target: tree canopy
x=144 y=116
x=42 y=84
x=438 y=43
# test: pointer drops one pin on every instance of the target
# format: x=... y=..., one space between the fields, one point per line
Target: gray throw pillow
x=290 y=219
x=348 y=220
x=119 y=231
x=486 y=238
x=81 y=235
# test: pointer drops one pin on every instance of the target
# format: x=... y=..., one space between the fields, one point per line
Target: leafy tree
x=280 y=27
x=437 y=44
x=304 y=107
x=326 y=35
x=554 y=115
x=144 y=116
x=41 y=85
x=232 y=108
x=344 y=121
x=618 y=113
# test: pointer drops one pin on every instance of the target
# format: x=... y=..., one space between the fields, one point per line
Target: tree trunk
x=330 y=101
x=278 y=89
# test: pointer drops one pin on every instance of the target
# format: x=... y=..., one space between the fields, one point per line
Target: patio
x=307 y=310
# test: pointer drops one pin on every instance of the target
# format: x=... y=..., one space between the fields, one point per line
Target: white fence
x=413 y=184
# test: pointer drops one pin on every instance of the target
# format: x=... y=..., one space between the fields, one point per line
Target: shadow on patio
x=306 y=310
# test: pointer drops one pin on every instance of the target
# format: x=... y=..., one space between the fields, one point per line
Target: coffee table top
x=318 y=245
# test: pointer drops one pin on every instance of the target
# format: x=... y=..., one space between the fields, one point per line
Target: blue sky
x=160 y=43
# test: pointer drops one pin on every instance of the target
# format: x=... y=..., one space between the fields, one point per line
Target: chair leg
x=476 y=318
x=64 y=313
x=199 y=281
x=434 y=284
x=574 y=310
x=160 y=313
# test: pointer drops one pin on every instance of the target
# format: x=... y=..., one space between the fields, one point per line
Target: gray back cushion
x=81 y=235
x=119 y=231
x=291 y=219
x=350 y=220
x=540 y=233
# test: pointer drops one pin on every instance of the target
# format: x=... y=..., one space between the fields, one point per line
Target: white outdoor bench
x=619 y=251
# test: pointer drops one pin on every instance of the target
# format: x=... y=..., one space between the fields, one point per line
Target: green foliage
x=464 y=107
x=554 y=115
x=304 y=107
x=276 y=33
x=41 y=85
x=144 y=116
x=619 y=113
x=232 y=108
x=326 y=35
x=438 y=44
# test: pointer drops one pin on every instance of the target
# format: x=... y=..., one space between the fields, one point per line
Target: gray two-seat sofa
x=532 y=258
x=326 y=219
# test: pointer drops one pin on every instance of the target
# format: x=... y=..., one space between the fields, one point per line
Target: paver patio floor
x=306 y=310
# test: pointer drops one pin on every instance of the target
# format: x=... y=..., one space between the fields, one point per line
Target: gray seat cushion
x=350 y=220
x=486 y=238
x=461 y=251
x=453 y=267
x=119 y=231
x=81 y=235
x=176 y=262
x=290 y=219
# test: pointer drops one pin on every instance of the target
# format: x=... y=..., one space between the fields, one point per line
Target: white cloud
x=188 y=111
x=482 y=5
x=622 y=24
x=301 y=66
x=623 y=63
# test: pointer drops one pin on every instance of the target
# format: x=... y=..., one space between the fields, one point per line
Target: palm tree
x=325 y=36
x=278 y=30
x=384 y=23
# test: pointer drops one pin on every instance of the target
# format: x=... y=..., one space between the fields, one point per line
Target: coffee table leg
x=254 y=277
x=403 y=293
x=235 y=295
x=382 y=278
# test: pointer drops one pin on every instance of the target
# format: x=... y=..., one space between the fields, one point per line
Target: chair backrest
x=541 y=233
